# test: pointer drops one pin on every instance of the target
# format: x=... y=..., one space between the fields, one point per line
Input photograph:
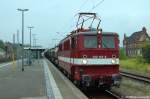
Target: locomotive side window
x=60 y=47
x=67 y=45
x=108 y=42
x=90 y=42
x=73 y=45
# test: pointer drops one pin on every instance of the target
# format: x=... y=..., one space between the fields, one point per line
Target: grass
x=135 y=64
x=131 y=87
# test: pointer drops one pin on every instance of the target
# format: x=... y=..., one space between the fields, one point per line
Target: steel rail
x=115 y=95
x=136 y=77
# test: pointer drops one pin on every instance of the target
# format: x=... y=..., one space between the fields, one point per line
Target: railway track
x=115 y=95
x=101 y=94
x=136 y=77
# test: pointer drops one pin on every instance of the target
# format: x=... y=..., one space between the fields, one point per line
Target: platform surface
x=67 y=89
x=15 y=84
x=41 y=80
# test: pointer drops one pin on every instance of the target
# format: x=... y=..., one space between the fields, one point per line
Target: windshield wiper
x=104 y=44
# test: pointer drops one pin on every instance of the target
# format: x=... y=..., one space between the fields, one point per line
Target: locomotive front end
x=98 y=60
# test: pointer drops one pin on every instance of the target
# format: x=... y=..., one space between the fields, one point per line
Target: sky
x=54 y=19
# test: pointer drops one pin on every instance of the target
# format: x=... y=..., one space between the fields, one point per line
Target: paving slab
x=15 y=84
x=44 y=97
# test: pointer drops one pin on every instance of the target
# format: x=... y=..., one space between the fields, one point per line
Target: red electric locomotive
x=89 y=56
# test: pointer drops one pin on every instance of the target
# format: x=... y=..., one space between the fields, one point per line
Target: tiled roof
x=136 y=36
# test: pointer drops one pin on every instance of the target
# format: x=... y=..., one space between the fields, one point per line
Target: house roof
x=136 y=36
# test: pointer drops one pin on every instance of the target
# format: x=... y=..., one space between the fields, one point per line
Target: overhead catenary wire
x=82 y=5
x=94 y=6
x=78 y=10
x=99 y=3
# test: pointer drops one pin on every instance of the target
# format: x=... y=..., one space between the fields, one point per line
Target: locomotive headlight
x=84 y=61
x=113 y=61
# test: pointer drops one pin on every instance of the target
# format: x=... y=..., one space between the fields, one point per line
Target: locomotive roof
x=87 y=33
x=95 y=32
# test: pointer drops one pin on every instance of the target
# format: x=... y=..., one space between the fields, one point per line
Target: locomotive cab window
x=90 y=41
x=108 y=42
x=73 y=45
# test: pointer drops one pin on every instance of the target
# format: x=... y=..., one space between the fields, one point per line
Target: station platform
x=41 y=80
x=15 y=84
x=62 y=88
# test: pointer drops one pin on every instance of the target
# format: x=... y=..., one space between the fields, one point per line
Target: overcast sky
x=51 y=16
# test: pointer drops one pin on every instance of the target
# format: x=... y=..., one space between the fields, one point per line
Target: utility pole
x=34 y=40
x=13 y=52
x=22 y=10
x=13 y=39
x=54 y=40
x=34 y=44
x=18 y=36
x=18 y=47
x=30 y=28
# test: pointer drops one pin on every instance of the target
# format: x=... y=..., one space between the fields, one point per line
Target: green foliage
x=2 y=45
x=146 y=51
x=135 y=64
x=140 y=59
x=122 y=54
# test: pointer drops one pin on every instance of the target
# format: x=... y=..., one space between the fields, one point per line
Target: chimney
x=124 y=35
x=144 y=29
x=124 y=40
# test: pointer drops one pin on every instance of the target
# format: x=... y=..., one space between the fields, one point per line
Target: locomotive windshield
x=90 y=41
x=108 y=42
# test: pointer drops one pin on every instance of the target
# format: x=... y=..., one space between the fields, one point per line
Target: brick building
x=132 y=44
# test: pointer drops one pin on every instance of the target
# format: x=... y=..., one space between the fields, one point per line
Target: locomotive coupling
x=86 y=80
x=116 y=78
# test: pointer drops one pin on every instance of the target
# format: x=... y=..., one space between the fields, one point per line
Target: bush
x=2 y=44
x=122 y=54
x=146 y=52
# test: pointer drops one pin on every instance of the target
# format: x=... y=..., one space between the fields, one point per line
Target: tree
x=2 y=45
x=146 y=51
x=122 y=54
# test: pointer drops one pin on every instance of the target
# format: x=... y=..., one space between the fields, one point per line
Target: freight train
x=88 y=56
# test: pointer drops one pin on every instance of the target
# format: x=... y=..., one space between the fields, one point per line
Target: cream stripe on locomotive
x=90 y=61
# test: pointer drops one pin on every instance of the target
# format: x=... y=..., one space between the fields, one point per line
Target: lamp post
x=22 y=10
x=34 y=40
x=30 y=28
x=54 y=40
